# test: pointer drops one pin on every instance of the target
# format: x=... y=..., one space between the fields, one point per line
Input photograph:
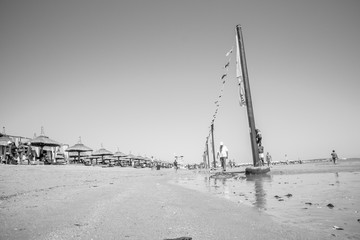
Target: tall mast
x=207 y=154
x=249 y=107
x=213 y=145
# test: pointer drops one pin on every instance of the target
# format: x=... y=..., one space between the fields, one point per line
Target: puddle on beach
x=317 y=201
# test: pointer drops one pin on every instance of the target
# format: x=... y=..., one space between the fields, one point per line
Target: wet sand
x=314 y=196
x=79 y=202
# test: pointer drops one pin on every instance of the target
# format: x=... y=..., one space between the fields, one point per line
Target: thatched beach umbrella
x=147 y=161
x=140 y=158
x=102 y=152
x=79 y=148
x=43 y=141
x=119 y=155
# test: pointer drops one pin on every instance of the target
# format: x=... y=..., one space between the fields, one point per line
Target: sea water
x=319 y=196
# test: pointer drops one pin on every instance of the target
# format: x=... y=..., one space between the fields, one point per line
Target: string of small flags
x=218 y=101
x=242 y=98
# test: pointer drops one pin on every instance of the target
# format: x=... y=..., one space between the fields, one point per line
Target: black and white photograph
x=179 y=120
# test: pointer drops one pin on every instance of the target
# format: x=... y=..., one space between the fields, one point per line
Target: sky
x=143 y=76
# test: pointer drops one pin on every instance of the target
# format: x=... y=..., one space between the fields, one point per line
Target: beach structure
x=130 y=157
x=244 y=78
x=120 y=157
x=90 y=159
x=147 y=161
x=11 y=145
x=76 y=157
x=139 y=161
x=5 y=142
x=102 y=152
x=44 y=141
x=109 y=159
x=78 y=148
x=60 y=157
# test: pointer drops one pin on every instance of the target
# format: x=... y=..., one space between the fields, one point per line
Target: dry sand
x=79 y=202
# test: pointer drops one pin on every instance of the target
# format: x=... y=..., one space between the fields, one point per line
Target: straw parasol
x=130 y=157
x=79 y=148
x=102 y=152
x=119 y=155
x=42 y=141
x=147 y=160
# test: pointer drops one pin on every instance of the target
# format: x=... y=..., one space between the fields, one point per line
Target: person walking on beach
x=268 y=158
x=176 y=164
x=334 y=156
x=223 y=154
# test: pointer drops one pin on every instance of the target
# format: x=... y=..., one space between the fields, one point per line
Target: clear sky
x=142 y=76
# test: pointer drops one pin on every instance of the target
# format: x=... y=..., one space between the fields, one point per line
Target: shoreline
x=79 y=202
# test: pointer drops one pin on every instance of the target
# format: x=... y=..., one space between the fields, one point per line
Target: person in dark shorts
x=261 y=155
x=223 y=153
x=334 y=156
x=175 y=165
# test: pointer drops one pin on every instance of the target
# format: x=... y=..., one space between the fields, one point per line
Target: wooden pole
x=250 y=111
x=213 y=146
x=207 y=152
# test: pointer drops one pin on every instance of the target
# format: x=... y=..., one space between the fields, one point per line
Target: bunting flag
x=229 y=52
x=242 y=99
x=218 y=101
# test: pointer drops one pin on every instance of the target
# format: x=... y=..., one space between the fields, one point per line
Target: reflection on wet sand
x=260 y=193
x=221 y=185
x=315 y=196
x=337 y=178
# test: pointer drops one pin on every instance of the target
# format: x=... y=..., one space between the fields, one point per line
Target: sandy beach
x=79 y=202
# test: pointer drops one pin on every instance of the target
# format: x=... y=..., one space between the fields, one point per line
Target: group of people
x=223 y=152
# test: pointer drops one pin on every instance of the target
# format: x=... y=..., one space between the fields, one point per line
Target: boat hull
x=256 y=170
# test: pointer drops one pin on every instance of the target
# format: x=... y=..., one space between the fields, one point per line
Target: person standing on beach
x=176 y=164
x=334 y=156
x=261 y=154
x=268 y=158
x=223 y=154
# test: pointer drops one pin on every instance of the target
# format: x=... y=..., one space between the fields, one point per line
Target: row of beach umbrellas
x=103 y=153
x=79 y=148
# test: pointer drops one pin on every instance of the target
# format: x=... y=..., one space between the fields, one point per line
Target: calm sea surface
x=296 y=194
